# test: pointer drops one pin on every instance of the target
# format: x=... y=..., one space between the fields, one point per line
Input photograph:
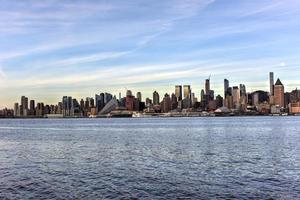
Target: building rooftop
x=278 y=82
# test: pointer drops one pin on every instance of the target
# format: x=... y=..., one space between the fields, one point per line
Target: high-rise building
x=178 y=92
x=243 y=97
x=67 y=106
x=193 y=99
x=279 y=93
x=32 y=107
x=24 y=105
x=139 y=96
x=174 y=101
x=99 y=101
x=40 y=109
x=226 y=86
x=243 y=90
x=202 y=96
x=129 y=101
x=271 y=77
x=70 y=106
x=219 y=101
x=16 y=109
x=107 y=97
x=236 y=97
x=155 y=98
x=187 y=91
x=166 y=104
x=207 y=86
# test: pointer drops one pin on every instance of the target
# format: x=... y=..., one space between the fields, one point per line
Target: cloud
x=2 y=74
x=188 y=8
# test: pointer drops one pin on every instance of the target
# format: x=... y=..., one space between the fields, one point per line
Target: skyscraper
x=139 y=96
x=236 y=97
x=207 y=86
x=187 y=91
x=24 y=105
x=279 y=93
x=155 y=98
x=271 y=77
x=178 y=92
x=16 y=109
x=107 y=97
x=226 y=86
x=32 y=107
x=243 y=90
x=166 y=104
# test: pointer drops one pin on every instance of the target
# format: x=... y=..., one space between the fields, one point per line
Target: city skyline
x=181 y=101
x=207 y=86
x=54 y=48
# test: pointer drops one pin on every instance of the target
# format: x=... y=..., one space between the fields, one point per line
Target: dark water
x=172 y=158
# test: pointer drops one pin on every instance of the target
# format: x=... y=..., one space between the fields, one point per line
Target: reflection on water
x=196 y=158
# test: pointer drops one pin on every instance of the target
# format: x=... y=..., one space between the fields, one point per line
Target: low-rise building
x=294 y=108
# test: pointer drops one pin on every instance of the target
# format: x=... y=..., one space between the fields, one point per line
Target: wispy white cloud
x=2 y=74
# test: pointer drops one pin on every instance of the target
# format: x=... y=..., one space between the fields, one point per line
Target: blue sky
x=52 y=48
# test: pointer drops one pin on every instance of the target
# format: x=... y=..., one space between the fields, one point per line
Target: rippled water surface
x=193 y=158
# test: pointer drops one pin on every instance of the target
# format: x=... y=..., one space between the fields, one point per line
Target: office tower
x=97 y=101
x=243 y=97
x=193 y=99
x=65 y=105
x=187 y=91
x=82 y=104
x=16 y=109
x=100 y=101
x=211 y=95
x=40 y=109
x=139 y=96
x=92 y=102
x=107 y=97
x=226 y=86
x=236 y=97
x=130 y=101
x=166 y=104
x=207 y=86
x=279 y=93
x=32 y=107
x=32 y=104
x=219 y=101
x=24 y=105
x=178 y=92
x=155 y=98
x=87 y=103
x=271 y=77
x=243 y=90
x=202 y=95
x=59 y=108
x=70 y=106
x=174 y=101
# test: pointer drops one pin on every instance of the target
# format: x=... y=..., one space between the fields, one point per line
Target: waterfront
x=153 y=158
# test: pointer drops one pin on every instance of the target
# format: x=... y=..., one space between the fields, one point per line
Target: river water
x=154 y=158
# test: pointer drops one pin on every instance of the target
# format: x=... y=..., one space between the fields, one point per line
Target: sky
x=78 y=48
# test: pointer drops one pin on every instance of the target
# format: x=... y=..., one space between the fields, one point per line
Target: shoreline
x=155 y=117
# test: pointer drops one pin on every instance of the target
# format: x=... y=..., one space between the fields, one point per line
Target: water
x=192 y=158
